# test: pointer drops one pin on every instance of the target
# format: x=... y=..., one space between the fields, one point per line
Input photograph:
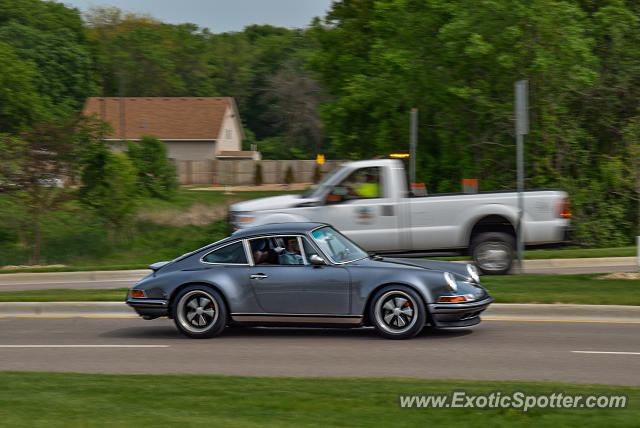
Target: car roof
x=279 y=228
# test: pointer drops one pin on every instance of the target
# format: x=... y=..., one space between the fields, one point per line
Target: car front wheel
x=397 y=312
x=199 y=312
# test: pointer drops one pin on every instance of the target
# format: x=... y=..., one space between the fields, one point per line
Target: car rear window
x=232 y=254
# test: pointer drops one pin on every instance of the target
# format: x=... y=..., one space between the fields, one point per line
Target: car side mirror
x=316 y=260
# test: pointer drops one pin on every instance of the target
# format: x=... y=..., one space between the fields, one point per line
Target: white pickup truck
x=370 y=202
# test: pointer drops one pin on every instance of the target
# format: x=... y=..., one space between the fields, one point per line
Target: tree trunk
x=36 y=237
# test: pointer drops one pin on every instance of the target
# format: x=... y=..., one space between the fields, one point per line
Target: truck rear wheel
x=492 y=252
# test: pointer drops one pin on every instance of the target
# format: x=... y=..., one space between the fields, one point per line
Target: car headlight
x=451 y=281
x=473 y=273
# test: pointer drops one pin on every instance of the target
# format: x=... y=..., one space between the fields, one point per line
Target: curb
x=82 y=276
x=65 y=309
x=515 y=311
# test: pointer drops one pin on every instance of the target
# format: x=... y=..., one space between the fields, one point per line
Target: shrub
x=257 y=174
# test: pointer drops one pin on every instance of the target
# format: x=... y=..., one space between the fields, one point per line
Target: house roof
x=187 y=118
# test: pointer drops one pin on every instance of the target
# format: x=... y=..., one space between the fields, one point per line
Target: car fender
x=429 y=285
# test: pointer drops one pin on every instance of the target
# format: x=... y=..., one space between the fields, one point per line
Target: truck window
x=363 y=183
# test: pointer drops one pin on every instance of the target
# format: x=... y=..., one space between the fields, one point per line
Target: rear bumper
x=445 y=315
x=149 y=308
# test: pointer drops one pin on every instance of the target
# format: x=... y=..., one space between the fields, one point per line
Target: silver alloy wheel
x=395 y=312
x=493 y=256
x=197 y=311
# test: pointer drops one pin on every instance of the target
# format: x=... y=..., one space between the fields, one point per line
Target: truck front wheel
x=492 y=252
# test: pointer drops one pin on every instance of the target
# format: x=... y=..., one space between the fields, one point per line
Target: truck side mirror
x=336 y=195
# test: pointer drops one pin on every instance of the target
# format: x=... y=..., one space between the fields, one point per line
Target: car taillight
x=563 y=209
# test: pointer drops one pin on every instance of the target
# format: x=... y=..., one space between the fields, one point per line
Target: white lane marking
x=85 y=346
x=606 y=352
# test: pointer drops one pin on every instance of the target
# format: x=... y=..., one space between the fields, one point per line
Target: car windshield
x=337 y=246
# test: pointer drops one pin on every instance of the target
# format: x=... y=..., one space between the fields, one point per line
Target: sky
x=220 y=15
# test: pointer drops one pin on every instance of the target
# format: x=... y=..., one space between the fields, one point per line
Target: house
x=193 y=128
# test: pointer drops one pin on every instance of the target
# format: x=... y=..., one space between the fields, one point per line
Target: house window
x=227 y=134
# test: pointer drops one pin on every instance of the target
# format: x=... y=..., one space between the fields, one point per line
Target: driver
x=291 y=254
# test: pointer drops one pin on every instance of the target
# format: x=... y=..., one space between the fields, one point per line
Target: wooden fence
x=242 y=172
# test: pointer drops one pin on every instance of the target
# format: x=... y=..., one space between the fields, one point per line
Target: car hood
x=459 y=269
x=269 y=203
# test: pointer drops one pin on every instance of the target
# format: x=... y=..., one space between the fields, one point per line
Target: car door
x=362 y=208
x=301 y=288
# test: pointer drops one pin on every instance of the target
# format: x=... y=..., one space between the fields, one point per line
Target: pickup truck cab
x=370 y=202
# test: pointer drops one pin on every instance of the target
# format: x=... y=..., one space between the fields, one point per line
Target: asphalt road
x=494 y=350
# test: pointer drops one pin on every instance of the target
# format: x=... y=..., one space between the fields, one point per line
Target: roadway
x=582 y=352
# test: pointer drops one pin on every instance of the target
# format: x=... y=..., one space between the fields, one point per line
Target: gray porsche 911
x=306 y=274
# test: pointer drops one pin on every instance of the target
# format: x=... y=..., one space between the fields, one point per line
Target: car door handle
x=259 y=276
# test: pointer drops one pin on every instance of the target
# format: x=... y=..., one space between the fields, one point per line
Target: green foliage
x=257 y=174
x=49 y=40
x=457 y=62
x=288 y=175
x=20 y=103
x=156 y=172
x=317 y=173
x=109 y=186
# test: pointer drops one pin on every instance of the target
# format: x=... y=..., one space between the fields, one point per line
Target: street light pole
x=522 y=128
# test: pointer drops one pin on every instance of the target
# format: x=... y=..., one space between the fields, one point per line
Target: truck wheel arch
x=490 y=223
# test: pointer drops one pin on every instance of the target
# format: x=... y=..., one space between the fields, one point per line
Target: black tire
x=397 y=312
x=492 y=252
x=199 y=312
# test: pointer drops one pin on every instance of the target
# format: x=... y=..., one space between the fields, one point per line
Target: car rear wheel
x=492 y=252
x=199 y=312
x=397 y=312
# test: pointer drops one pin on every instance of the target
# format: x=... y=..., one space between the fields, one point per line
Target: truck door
x=362 y=208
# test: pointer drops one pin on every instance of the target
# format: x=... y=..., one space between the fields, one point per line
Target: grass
x=578 y=289
x=65 y=295
x=76 y=239
x=68 y=399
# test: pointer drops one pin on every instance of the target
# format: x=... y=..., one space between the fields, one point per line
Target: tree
x=51 y=38
x=35 y=166
x=20 y=103
x=109 y=185
x=156 y=174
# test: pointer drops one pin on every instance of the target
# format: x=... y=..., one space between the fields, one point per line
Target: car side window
x=276 y=250
x=232 y=254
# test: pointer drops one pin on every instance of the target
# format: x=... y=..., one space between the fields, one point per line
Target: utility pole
x=412 y=147
x=522 y=128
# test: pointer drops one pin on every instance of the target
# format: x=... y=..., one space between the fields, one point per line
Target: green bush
x=288 y=175
x=257 y=175
x=156 y=174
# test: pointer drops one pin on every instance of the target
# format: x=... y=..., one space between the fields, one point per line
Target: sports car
x=306 y=274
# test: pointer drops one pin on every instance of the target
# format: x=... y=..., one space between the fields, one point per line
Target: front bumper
x=149 y=308
x=444 y=315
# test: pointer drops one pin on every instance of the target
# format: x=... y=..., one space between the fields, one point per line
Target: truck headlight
x=451 y=281
x=473 y=273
